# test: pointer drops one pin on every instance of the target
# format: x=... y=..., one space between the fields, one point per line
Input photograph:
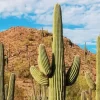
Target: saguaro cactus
x=83 y=96
x=98 y=70
x=4 y=95
x=11 y=87
x=91 y=84
x=89 y=81
x=6 y=91
x=54 y=76
x=85 y=52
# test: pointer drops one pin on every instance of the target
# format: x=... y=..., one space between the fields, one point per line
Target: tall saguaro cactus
x=54 y=76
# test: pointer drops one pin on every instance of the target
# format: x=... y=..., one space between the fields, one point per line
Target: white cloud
x=75 y=12
x=80 y=36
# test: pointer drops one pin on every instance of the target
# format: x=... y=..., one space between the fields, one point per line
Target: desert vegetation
x=37 y=65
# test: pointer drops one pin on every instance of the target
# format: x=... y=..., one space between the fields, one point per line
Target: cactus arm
x=89 y=81
x=11 y=87
x=43 y=61
x=2 y=97
x=38 y=76
x=73 y=71
x=6 y=91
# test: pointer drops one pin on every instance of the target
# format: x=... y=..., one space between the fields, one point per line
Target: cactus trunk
x=90 y=94
x=2 y=97
x=6 y=91
x=44 y=95
x=83 y=96
x=11 y=87
x=98 y=70
x=57 y=82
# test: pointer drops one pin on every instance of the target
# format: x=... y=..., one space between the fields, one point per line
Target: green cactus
x=98 y=69
x=89 y=81
x=2 y=97
x=91 y=84
x=43 y=61
x=32 y=97
x=42 y=33
x=85 y=53
x=55 y=76
x=90 y=94
x=44 y=94
x=11 y=87
x=6 y=60
x=6 y=91
x=83 y=95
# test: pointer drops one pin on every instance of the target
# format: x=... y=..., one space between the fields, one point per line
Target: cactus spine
x=54 y=76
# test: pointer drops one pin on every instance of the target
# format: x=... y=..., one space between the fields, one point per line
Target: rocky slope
x=21 y=48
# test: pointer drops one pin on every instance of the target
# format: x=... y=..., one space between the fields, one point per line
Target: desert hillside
x=21 y=47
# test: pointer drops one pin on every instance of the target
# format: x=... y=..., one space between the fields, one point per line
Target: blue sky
x=81 y=18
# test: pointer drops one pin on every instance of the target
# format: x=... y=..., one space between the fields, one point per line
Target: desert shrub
x=44 y=33
x=27 y=42
x=21 y=68
x=30 y=37
x=74 y=92
x=89 y=59
x=20 y=33
x=6 y=77
x=93 y=58
x=24 y=73
x=19 y=93
x=48 y=41
x=70 y=42
x=31 y=32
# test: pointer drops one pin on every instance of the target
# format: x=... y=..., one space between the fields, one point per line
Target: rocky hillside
x=21 y=48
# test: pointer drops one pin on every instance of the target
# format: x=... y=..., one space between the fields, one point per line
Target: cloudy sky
x=81 y=18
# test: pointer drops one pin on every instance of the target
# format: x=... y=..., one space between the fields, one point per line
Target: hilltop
x=21 y=47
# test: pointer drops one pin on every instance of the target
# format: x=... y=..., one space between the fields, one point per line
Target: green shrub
x=74 y=92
